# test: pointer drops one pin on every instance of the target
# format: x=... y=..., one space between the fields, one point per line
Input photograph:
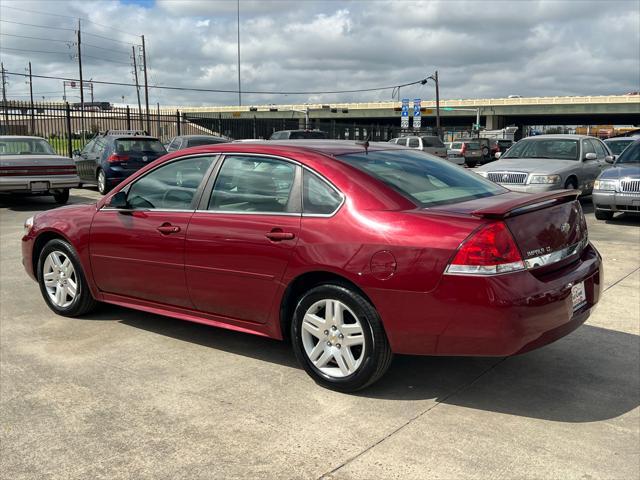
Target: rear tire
x=62 y=196
x=103 y=187
x=338 y=338
x=603 y=214
x=62 y=281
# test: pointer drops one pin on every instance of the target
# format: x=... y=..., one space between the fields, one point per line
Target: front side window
x=318 y=197
x=432 y=142
x=413 y=143
x=600 y=150
x=254 y=184
x=556 y=149
x=174 y=145
x=170 y=187
x=402 y=141
x=587 y=147
x=424 y=180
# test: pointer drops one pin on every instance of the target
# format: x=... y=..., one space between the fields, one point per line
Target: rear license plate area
x=39 y=186
x=578 y=296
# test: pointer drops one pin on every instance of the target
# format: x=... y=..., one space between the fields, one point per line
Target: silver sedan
x=550 y=162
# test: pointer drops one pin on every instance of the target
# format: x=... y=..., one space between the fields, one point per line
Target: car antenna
x=365 y=144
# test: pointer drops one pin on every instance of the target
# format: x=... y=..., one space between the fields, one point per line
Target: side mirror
x=590 y=156
x=76 y=153
x=498 y=155
x=610 y=158
x=119 y=200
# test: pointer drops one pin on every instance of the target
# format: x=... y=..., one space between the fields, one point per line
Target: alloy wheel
x=60 y=279
x=102 y=182
x=333 y=338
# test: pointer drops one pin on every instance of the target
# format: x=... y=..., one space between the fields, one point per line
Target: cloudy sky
x=480 y=48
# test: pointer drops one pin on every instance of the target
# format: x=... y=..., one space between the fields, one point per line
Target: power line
x=65 y=53
x=38 y=26
x=36 y=38
x=105 y=38
x=215 y=90
x=69 y=16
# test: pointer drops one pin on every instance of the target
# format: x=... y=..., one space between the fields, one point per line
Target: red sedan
x=353 y=251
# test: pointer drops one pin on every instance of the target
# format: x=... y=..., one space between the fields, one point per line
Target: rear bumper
x=616 y=201
x=24 y=184
x=490 y=316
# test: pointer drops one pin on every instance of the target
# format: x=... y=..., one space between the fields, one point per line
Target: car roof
x=327 y=147
x=559 y=136
x=204 y=135
x=623 y=139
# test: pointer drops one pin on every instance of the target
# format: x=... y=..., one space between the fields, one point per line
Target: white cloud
x=481 y=49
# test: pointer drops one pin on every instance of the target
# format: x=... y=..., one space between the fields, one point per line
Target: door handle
x=279 y=235
x=167 y=229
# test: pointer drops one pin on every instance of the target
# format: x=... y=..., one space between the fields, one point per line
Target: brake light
x=115 y=158
x=464 y=148
x=488 y=251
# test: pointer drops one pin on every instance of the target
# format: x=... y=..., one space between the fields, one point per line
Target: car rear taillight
x=488 y=251
x=115 y=158
x=463 y=149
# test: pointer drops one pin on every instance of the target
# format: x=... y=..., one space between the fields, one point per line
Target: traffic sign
x=404 y=114
x=417 y=115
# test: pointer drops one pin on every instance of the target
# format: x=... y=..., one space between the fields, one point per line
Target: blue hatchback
x=111 y=157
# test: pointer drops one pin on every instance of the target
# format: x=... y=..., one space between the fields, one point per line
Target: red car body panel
x=222 y=270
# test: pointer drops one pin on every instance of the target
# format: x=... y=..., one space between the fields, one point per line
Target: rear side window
x=402 y=141
x=426 y=181
x=307 y=135
x=172 y=186
x=318 y=197
x=196 y=142
x=254 y=184
x=138 y=145
x=432 y=142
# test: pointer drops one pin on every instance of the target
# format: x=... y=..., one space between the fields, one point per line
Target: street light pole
x=434 y=77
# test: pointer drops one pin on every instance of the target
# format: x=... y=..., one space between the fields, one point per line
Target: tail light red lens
x=115 y=158
x=488 y=251
x=464 y=148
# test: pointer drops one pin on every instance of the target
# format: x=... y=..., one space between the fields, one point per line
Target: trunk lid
x=27 y=165
x=547 y=227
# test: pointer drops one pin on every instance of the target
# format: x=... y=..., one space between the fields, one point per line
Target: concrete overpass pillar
x=494 y=122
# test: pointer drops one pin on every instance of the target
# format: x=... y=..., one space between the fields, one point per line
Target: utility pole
x=4 y=96
x=135 y=71
x=437 y=105
x=33 y=120
x=239 y=87
x=80 y=69
x=146 y=84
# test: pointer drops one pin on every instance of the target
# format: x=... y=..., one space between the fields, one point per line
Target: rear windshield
x=556 y=148
x=25 y=146
x=473 y=145
x=618 y=146
x=425 y=180
x=456 y=145
x=307 y=135
x=139 y=145
x=432 y=142
x=196 y=142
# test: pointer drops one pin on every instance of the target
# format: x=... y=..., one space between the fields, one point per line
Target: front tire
x=338 y=338
x=62 y=281
x=62 y=196
x=603 y=214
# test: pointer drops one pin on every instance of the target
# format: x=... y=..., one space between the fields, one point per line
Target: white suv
x=429 y=144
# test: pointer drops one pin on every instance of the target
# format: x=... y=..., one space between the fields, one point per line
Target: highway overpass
x=494 y=112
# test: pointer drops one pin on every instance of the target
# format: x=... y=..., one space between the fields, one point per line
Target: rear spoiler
x=518 y=206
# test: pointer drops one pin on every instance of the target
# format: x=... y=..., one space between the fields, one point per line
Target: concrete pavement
x=125 y=394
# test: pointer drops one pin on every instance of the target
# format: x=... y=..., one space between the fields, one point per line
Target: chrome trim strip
x=241 y=212
x=553 y=257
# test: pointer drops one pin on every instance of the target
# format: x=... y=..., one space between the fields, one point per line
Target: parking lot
x=126 y=394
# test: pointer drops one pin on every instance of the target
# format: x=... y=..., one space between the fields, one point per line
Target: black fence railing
x=68 y=128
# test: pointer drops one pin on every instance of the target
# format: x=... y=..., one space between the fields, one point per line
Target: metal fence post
x=128 y=118
x=179 y=130
x=254 y=126
x=69 y=142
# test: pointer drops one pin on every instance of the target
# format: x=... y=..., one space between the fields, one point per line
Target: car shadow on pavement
x=591 y=375
x=32 y=203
